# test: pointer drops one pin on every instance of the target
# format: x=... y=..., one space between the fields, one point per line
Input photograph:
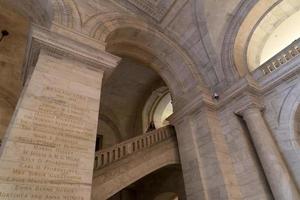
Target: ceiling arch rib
x=67 y=14
x=129 y=49
x=129 y=30
x=101 y=26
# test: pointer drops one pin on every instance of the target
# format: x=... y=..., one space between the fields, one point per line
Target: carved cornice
x=249 y=102
x=65 y=44
x=195 y=105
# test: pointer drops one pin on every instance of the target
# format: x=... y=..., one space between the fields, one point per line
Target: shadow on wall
x=167 y=196
x=163 y=184
x=297 y=124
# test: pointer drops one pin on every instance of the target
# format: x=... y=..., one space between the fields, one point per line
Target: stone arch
x=66 y=14
x=113 y=126
x=222 y=75
x=248 y=30
x=288 y=115
x=117 y=176
x=297 y=124
x=227 y=54
x=147 y=44
x=286 y=132
x=155 y=108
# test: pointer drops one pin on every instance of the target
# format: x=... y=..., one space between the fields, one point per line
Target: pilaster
x=206 y=163
x=279 y=178
x=48 y=150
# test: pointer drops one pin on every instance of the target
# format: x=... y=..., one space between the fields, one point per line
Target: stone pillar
x=206 y=163
x=277 y=173
x=48 y=150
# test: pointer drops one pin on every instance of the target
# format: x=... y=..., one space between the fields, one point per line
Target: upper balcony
x=280 y=60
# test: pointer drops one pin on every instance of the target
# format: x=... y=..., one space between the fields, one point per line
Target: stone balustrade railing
x=281 y=58
x=123 y=149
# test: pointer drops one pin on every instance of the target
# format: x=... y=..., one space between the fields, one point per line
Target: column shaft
x=206 y=163
x=278 y=176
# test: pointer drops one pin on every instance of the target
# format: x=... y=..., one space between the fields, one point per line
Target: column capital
x=249 y=102
x=199 y=102
x=61 y=42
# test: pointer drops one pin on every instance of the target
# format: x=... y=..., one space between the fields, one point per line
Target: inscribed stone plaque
x=49 y=150
x=155 y=8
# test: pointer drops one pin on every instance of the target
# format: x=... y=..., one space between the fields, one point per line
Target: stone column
x=48 y=150
x=277 y=173
x=205 y=159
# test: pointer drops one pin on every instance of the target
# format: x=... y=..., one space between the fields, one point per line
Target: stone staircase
x=123 y=164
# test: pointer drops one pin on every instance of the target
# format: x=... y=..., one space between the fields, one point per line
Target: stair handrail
x=123 y=149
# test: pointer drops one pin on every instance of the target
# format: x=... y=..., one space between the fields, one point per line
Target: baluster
x=164 y=134
x=281 y=60
x=265 y=70
x=119 y=153
x=147 y=141
x=143 y=145
x=124 y=151
x=114 y=155
x=292 y=53
x=168 y=133
x=159 y=135
x=138 y=145
x=133 y=147
x=276 y=64
x=271 y=68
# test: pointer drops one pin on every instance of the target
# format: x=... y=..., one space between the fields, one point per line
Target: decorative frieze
x=157 y=9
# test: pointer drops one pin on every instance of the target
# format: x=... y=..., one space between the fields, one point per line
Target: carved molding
x=65 y=45
x=246 y=88
x=155 y=9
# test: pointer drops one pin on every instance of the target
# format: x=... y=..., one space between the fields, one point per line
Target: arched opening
x=157 y=108
x=269 y=27
x=162 y=111
x=124 y=95
x=163 y=184
x=126 y=91
x=286 y=33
